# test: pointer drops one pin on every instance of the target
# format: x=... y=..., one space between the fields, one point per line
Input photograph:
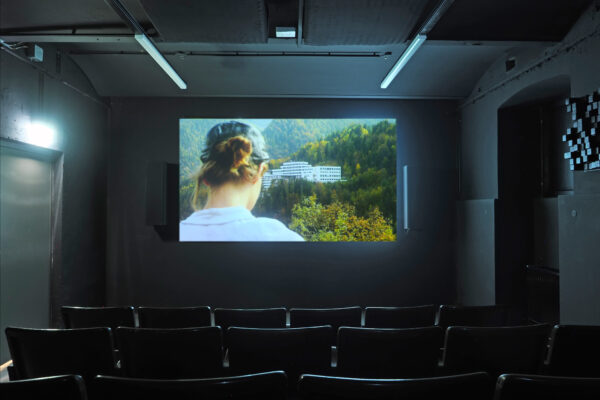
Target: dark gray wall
x=576 y=59
x=475 y=252
x=144 y=270
x=27 y=94
x=579 y=218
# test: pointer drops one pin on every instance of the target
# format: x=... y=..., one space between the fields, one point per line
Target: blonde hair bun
x=240 y=148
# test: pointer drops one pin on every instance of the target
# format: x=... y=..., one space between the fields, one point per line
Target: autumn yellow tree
x=338 y=222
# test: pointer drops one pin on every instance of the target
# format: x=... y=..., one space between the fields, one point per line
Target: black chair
x=336 y=317
x=250 y=317
x=490 y=316
x=173 y=317
x=268 y=385
x=527 y=387
x=293 y=350
x=91 y=317
x=388 y=353
x=400 y=317
x=475 y=386
x=64 y=387
x=574 y=351
x=518 y=349
x=46 y=352
x=170 y=353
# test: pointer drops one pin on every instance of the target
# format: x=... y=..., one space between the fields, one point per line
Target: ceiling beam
x=243 y=53
x=489 y=43
x=78 y=38
x=115 y=38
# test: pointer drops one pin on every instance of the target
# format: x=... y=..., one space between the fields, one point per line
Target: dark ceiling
x=228 y=47
x=514 y=20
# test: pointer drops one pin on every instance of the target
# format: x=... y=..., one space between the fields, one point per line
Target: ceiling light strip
x=417 y=42
x=147 y=44
x=403 y=60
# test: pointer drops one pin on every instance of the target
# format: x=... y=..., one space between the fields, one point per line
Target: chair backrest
x=473 y=386
x=518 y=349
x=293 y=350
x=173 y=317
x=170 y=353
x=336 y=317
x=575 y=351
x=400 y=317
x=64 y=387
x=46 y=352
x=490 y=316
x=268 y=385
x=388 y=353
x=250 y=317
x=92 y=317
x=527 y=387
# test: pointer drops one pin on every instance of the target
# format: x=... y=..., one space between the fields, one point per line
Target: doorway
x=28 y=235
x=531 y=174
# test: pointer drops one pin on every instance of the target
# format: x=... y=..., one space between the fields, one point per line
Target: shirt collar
x=217 y=216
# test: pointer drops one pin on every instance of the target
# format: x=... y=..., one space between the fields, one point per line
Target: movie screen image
x=313 y=180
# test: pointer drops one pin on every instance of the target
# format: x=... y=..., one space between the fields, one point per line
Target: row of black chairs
x=272 y=385
x=375 y=317
x=361 y=352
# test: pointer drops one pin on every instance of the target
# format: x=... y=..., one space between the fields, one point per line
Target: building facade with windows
x=303 y=170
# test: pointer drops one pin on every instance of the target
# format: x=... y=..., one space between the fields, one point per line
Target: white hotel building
x=303 y=170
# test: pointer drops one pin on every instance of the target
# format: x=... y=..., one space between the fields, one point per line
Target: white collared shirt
x=233 y=224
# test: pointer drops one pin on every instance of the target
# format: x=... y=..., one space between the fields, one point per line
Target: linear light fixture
x=147 y=44
x=403 y=60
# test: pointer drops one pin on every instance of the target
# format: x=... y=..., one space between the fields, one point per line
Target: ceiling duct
x=222 y=21
x=361 y=22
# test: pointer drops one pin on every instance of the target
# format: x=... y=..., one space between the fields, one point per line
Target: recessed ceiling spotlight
x=285 y=32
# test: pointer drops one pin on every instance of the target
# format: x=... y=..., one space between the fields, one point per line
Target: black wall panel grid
x=583 y=137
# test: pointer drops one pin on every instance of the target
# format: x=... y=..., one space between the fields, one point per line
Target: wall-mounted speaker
x=162 y=199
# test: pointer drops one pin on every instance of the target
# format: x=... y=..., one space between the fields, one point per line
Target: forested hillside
x=286 y=136
x=367 y=155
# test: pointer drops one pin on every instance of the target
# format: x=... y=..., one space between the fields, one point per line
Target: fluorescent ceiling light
x=403 y=60
x=285 y=32
x=145 y=42
x=40 y=134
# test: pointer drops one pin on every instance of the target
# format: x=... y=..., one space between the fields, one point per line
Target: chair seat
x=171 y=353
x=268 y=385
x=47 y=352
x=474 y=386
x=527 y=387
x=64 y=387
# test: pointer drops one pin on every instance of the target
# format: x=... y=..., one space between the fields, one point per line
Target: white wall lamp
x=39 y=134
